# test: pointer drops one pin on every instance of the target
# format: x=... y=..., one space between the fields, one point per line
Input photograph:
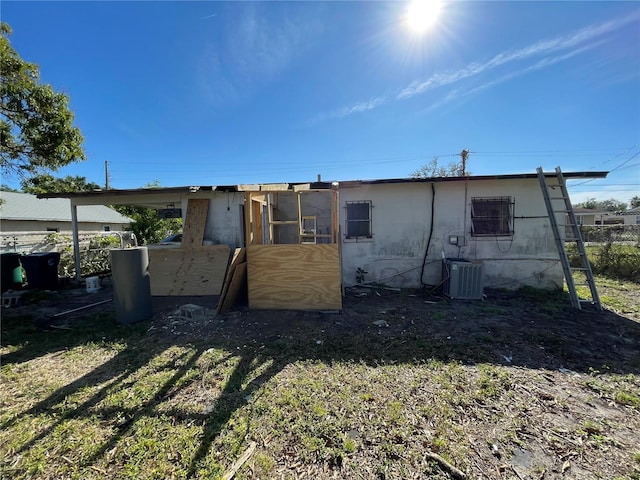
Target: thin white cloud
x=544 y=63
x=350 y=110
x=362 y=107
x=260 y=47
x=585 y=38
x=254 y=50
x=544 y=47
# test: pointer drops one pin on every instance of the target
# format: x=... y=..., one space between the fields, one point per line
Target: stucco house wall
x=224 y=220
x=405 y=234
x=401 y=224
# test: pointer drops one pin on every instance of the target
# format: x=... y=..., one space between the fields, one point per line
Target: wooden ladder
x=576 y=237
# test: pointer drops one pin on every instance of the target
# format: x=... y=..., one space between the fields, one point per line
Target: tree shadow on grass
x=538 y=333
x=27 y=341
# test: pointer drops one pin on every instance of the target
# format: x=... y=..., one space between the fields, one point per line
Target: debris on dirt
x=241 y=461
x=194 y=312
x=495 y=450
x=446 y=466
x=565 y=403
x=11 y=298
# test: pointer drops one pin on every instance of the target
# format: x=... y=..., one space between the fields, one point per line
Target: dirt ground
x=530 y=329
x=565 y=416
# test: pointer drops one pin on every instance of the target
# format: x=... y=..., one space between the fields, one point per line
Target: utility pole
x=106 y=175
x=464 y=155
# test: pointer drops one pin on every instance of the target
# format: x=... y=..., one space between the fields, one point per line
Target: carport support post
x=76 y=241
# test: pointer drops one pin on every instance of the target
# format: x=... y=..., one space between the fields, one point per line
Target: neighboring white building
x=22 y=212
x=589 y=216
x=632 y=217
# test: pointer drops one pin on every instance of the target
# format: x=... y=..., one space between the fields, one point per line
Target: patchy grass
x=518 y=383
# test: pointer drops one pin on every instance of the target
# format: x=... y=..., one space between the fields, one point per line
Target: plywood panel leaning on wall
x=237 y=289
x=195 y=222
x=239 y=257
x=297 y=277
x=188 y=271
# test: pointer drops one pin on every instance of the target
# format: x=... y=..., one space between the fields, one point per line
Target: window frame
x=499 y=224
x=358 y=221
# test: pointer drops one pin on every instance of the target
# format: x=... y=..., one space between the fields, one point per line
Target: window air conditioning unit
x=462 y=279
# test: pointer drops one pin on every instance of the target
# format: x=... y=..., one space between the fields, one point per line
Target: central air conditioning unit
x=462 y=279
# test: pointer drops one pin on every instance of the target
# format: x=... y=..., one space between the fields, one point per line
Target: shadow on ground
x=375 y=327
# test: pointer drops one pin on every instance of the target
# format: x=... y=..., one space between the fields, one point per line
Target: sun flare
x=422 y=14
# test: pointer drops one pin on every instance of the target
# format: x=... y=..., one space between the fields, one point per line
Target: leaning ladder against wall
x=576 y=237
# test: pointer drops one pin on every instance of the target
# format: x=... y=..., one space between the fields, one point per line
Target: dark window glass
x=492 y=216
x=359 y=219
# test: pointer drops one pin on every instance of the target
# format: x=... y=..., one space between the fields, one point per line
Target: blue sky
x=208 y=93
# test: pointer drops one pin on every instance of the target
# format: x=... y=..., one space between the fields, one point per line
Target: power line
x=393 y=159
x=554 y=153
x=611 y=171
x=606 y=192
x=617 y=156
x=625 y=162
x=614 y=185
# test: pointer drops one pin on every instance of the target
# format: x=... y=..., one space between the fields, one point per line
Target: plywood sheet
x=237 y=288
x=239 y=256
x=256 y=221
x=195 y=222
x=298 y=277
x=188 y=271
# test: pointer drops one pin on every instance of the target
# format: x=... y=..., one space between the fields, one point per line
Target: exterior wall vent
x=462 y=279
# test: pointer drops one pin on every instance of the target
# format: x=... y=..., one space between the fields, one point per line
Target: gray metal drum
x=131 y=284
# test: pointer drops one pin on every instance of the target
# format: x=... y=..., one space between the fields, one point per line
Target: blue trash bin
x=41 y=270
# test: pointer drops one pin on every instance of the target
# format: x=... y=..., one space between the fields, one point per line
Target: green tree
x=147 y=226
x=434 y=169
x=49 y=184
x=610 y=205
x=634 y=202
x=589 y=204
x=36 y=124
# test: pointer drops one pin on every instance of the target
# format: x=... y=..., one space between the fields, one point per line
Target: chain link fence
x=94 y=249
x=622 y=234
x=613 y=250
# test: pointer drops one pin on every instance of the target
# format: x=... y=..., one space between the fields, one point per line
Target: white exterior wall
x=401 y=218
x=224 y=221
